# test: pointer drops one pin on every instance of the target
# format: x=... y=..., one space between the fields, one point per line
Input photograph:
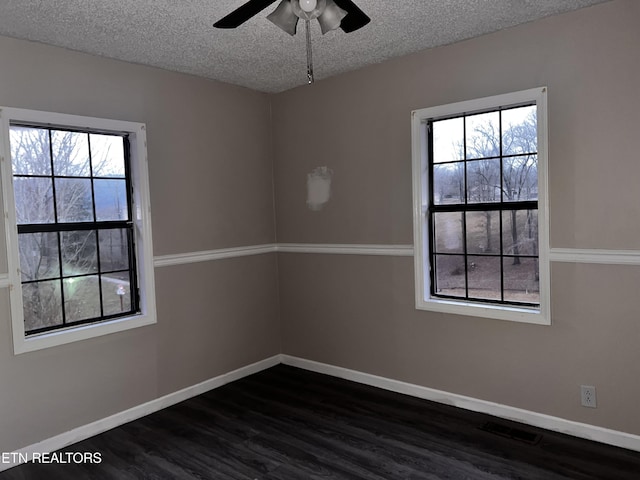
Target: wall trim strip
x=610 y=257
x=81 y=433
x=567 y=255
x=347 y=249
x=548 y=422
x=208 y=255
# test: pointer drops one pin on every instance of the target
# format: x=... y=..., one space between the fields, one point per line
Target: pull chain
x=309 y=54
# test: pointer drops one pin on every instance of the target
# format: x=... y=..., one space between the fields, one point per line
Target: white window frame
x=424 y=300
x=141 y=207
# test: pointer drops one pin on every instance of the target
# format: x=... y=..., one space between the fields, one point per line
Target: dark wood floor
x=286 y=423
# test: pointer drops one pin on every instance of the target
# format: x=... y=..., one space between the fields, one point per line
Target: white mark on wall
x=318 y=188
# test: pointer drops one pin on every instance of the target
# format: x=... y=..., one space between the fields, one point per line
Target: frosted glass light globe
x=308 y=5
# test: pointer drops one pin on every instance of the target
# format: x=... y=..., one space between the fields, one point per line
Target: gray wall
x=210 y=188
x=358 y=311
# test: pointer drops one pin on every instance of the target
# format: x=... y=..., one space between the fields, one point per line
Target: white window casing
x=141 y=217
x=424 y=299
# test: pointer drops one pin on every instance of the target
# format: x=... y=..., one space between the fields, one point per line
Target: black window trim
x=464 y=207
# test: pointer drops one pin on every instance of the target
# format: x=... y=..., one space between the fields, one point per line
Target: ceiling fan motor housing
x=288 y=12
x=331 y=14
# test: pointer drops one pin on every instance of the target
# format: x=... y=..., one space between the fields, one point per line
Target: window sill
x=496 y=312
x=82 y=332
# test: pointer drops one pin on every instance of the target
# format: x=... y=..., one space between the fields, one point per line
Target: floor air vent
x=510 y=432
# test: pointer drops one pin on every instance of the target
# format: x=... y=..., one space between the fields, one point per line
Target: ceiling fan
x=331 y=14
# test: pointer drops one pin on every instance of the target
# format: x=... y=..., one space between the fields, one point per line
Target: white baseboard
x=548 y=422
x=569 y=427
x=81 y=433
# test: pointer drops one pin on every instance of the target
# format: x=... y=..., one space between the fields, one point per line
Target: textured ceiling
x=178 y=35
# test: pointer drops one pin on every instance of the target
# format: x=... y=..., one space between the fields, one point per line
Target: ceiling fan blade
x=355 y=18
x=243 y=13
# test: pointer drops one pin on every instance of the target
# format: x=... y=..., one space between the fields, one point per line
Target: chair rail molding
x=564 y=255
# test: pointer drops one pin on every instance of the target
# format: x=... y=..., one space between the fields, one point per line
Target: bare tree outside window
x=74 y=229
x=484 y=197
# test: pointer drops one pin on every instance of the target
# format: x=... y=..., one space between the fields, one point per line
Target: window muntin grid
x=483 y=173
x=75 y=234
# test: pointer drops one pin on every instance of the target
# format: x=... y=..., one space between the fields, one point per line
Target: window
x=79 y=233
x=480 y=202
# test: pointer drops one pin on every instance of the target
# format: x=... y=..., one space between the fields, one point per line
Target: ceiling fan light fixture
x=308 y=5
x=330 y=14
x=308 y=15
x=331 y=17
x=284 y=17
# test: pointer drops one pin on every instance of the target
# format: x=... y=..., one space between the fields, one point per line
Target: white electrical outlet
x=588 y=396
